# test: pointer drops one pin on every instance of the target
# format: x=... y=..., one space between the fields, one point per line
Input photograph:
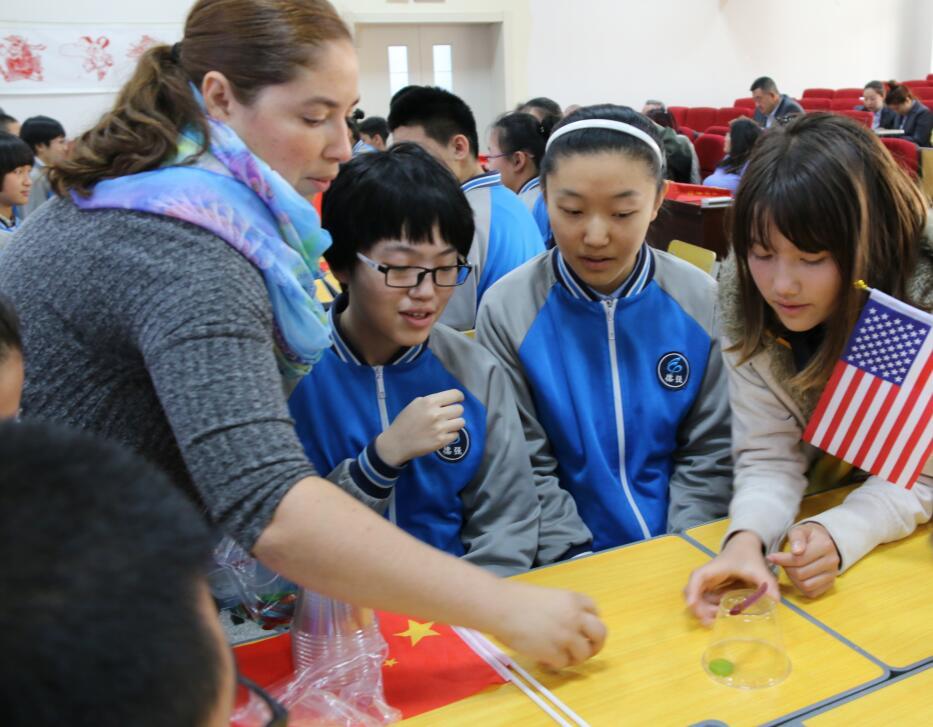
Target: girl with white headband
x=612 y=346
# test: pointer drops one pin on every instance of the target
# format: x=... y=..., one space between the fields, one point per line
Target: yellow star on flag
x=417 y=631
x=390 y=662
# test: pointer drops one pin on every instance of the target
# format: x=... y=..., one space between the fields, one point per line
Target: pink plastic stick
x=736 y=610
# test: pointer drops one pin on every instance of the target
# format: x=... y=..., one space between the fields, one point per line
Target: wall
x=692 y=52
x=707 y=52
x=77 y=112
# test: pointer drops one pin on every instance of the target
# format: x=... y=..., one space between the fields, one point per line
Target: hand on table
x=740 y=564
x=813 y=561
x=555 y=628
x=424 y=426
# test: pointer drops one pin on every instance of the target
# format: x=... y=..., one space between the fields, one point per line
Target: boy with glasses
x=409 y=416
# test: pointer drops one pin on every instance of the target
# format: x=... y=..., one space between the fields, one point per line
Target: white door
x=464 y=58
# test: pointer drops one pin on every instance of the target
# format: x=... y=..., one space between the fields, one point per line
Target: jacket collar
x=489 y=179
x=637 y=280
x=344 y=349
x=531 y=184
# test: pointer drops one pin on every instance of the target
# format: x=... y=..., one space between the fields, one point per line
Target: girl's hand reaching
x=740 y=564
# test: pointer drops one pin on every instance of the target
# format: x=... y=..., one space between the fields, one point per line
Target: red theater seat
x=679 y=113
x=848 y=93
x=863 y=117
x=815 y=104
x=818 y=93
x=688 y=132
x=924 y=93
x=844 y=104
x=744 y=103
x=905 y=153
x=701 y=117
x=727 y=113
x=710 y=150
x=917 y=83
x=721 y=130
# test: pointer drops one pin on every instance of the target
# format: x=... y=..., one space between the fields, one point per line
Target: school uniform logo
x=457 y=449
x=673 y=370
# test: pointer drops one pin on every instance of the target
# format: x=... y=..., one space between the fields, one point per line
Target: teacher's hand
x=555 y=628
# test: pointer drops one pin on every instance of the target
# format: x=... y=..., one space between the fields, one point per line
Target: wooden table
x=649 y=671
x=905 y=700
x=703 y=226
x=883 y=604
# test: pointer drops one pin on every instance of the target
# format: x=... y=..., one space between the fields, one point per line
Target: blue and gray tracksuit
x=474 y=498
x=623 y=398
x=530 y=194
x=506 y=236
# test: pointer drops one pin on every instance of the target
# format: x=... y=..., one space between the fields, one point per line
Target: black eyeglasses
x=279 y=714
x=411 y=276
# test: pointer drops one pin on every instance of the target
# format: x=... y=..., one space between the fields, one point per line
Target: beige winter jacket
x=771 y=460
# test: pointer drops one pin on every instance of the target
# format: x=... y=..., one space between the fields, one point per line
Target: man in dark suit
x=882 y=116
x=770 y=104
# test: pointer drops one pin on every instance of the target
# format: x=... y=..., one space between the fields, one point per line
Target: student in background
x=107 y=559
x=15 y=182
x=772 y=106
x=9 y=124
x=612 y=347
x=540 y=107
x=913 y=117
x=882 y=116
x=359 y=145
x=821 y=205
x=46 y=137
x=683 y=164
x=171 y=307
x=516 y=148
x=653 y=104
x=375 y=131
x=11 y=361
x=428 y=430
x=740 y=142
x=506 y=234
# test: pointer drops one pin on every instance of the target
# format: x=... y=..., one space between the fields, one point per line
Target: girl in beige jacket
x=821 y=205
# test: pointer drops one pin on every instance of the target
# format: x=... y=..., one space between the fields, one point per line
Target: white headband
x=612 y=126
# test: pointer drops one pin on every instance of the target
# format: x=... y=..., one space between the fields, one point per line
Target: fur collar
x=778 y=356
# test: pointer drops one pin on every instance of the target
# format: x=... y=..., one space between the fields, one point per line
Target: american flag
x=877 y=410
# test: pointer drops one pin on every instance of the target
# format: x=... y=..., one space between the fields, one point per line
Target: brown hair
x=253 y=43
x=897 y=93
x=826 y=183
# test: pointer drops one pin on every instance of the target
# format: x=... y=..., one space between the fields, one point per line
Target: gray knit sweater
x=156 y=333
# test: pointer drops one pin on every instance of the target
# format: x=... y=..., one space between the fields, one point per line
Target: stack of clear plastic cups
x=342 y=638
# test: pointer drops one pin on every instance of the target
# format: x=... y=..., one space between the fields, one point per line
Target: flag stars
x=417 y=631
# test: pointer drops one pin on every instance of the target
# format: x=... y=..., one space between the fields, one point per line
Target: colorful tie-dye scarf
x=231 y=192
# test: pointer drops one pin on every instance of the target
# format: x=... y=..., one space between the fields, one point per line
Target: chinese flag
x=428 y=665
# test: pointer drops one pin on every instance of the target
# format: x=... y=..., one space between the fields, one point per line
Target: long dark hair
x=827 y=184
x=254 y=43
x=743 y=133
x=897 y=94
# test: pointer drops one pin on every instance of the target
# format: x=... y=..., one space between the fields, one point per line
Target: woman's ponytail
x=141 y=131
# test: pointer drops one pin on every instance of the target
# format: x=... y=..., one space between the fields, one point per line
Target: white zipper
x=384 y=421
x=610 y=306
